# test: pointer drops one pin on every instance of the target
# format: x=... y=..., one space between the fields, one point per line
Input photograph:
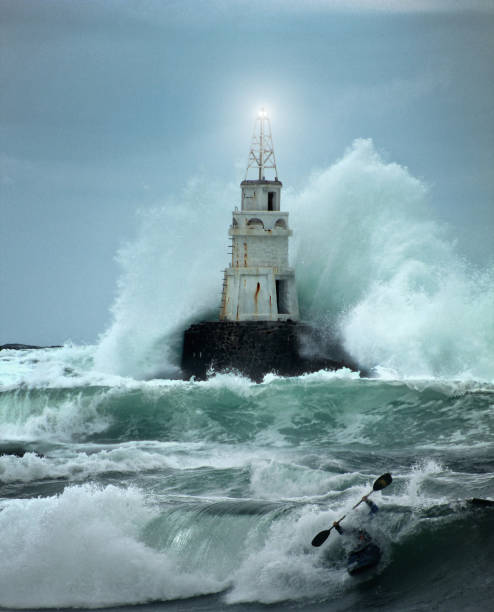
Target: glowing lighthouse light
x=259 y=285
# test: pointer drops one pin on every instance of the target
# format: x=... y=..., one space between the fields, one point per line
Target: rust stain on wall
x=256 y=296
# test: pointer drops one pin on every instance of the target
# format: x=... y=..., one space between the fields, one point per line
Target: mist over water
x=171 y=276
x=373 y=268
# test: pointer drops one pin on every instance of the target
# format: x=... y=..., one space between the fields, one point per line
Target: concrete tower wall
x=259 y=294
x=249 y=251
x=259 y=284
x=261 y=195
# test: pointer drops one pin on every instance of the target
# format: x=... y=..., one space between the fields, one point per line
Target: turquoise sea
x=177 y=495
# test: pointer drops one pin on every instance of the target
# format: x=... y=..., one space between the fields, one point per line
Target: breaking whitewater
x=141 y=488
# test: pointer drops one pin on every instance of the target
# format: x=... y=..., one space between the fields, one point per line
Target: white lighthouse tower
x=259 y=329
x=259 y=285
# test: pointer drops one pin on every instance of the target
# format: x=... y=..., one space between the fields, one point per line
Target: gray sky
x=110 y=106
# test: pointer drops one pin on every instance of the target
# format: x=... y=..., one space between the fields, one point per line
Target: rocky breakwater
x=257 y=348
x=22 y=347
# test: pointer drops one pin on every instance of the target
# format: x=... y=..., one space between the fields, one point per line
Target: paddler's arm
x=338 y=527
x=372 y=506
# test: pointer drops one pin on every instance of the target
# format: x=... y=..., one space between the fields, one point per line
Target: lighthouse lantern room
x=259 y=285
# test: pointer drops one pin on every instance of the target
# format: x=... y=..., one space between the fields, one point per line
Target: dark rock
x=481 y=503
x=22 y=347
x=17 y=451
x=256 y=348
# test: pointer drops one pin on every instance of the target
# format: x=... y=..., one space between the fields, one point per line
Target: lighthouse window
x=255 y=222
x=271 y=199
x=282 y=297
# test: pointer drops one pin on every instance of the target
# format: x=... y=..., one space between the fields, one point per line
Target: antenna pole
x=261 y=154
x=261 y=127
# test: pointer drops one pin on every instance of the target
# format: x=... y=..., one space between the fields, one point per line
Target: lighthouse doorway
x=271 y=200
x=282 y=297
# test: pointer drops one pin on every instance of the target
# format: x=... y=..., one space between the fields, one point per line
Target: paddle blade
x=382 y=482
x=321 y=537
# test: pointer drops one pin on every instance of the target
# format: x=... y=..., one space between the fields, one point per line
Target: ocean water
x=141 y=491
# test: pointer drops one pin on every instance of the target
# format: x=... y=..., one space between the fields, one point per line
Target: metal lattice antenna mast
x=261 y=154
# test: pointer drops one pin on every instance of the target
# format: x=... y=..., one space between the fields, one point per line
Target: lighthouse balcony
x=259 y=232
x=245 y=223
x=255 y=183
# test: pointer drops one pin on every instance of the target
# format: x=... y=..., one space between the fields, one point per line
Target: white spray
x=172 y=274
x=371 y=262
x=372 y=267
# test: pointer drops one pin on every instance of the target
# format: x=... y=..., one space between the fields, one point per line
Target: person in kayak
x=361 y=534
x=373 y=509
x=366 y=554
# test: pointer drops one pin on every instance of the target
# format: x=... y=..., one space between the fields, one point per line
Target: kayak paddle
x=381 y=483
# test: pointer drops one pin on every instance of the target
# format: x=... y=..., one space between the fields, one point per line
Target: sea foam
x=374 y=268
x=171 y=276
x=89 y=538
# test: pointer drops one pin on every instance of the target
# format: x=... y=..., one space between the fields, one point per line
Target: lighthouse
x=259 y=284
x=259 y=330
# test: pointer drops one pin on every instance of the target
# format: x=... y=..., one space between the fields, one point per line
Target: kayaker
x=362 y=536
x=381 y=483
x=365 y=553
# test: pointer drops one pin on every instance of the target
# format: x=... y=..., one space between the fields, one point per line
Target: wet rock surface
x=256 y=348
x=23 y=347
